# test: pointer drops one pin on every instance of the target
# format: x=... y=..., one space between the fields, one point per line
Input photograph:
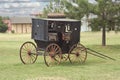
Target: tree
x=100 y=9
x=108 y=13
x=3 y=27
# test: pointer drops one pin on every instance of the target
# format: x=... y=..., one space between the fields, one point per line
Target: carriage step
x=100 y=55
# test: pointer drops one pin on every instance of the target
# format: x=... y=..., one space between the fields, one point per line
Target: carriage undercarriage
x=53 y=54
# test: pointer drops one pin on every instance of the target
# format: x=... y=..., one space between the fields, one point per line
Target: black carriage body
x=64 y=32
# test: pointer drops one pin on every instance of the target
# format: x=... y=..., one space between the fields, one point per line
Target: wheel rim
x=28 y=53
x=52 y=55
x=77 y=54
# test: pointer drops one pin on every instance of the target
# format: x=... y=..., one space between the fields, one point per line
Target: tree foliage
x=3 y=27
x=77 y=9
x=108 y=13
x=53 y=7
x=95 y=24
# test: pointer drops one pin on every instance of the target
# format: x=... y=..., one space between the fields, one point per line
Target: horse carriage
x=56 y=39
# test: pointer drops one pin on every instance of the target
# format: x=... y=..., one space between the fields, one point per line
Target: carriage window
x=52 y=36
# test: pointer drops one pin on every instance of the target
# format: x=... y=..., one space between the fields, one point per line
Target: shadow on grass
x=33 y=64
x=88 y=62
x=91 y=62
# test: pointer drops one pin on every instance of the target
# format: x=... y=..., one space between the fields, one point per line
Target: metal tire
x=77 y=54
x=52 y=55
x=28 y=53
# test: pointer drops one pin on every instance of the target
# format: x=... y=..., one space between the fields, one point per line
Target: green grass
x=11 y=67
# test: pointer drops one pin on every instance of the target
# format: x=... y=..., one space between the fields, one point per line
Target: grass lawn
x=11 y=67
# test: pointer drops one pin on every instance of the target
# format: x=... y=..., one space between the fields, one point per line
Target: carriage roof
x=58 y=19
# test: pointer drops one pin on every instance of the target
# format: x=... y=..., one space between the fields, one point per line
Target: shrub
x=3 y=28
x=13 y=31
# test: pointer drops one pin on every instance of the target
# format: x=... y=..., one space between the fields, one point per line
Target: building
x=21 y=24
x=85 y=22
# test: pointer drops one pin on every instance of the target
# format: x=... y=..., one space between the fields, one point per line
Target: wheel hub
x=29 y=52
x=52 y=54
x=77 y=54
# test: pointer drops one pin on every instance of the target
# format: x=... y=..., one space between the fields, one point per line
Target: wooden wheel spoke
x=26 y=46
x=78 y=59
x=26 y=59
x=33 y=52
x=24 y=54
x=25 y=49
x=73 y=57
x=64 y=57
x=58 y=57
x=32 y=56
x=33 y=49
x=83 y=58
x=50 y=61
x=56 y=49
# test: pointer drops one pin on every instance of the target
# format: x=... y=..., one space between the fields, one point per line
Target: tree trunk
x=104 y=29
x=104 y=36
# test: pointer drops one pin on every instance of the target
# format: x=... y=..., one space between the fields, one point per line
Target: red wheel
x=28 y=53
x=52 y=54
x=77 y=54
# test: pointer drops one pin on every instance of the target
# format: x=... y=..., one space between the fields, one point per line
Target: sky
x=22 y=7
